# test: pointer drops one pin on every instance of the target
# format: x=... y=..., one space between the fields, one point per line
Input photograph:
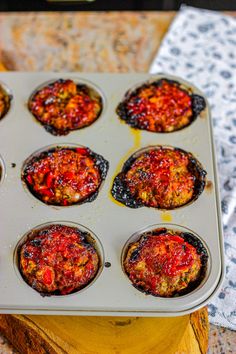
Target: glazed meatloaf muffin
x=63 y=106
x=166 y=263
x=159 y=177
x=64 y=176
x=58 y=260
x=161 y=106
x=5 y=101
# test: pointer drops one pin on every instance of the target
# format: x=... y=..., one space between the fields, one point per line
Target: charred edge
x=200 y=176
x=198 y=103
x=128 y=163
x=52 y=130
x=156 y=232
x=121 y=193
x=37 y=243
x=101 y=163
x=189 y=238
x=197 y=244
x=141 y=241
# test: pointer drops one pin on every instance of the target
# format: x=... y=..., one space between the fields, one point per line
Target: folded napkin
x=201 y=48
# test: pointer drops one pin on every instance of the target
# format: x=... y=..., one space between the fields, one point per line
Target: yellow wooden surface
x=107 y=335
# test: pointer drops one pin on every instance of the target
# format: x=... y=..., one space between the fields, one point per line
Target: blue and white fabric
x=201 y=48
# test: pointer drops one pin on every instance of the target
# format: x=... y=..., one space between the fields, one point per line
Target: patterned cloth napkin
x=201 y=47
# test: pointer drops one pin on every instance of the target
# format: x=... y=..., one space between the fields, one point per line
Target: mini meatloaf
x=166 y=263
x=65 y=176
x=58 y=260
x=63 y=106
x=5 y=101
x=161 y=106
x=160 y=177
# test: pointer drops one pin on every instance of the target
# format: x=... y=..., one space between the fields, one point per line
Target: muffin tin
x=111 y=293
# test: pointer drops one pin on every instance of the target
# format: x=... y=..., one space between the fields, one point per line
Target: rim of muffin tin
x=173 y=227
x=92 y=238
x=45 y=149
x=184 y=85
x=77 y=80
x=2 y=170
x=9 y=93
x=139 y=152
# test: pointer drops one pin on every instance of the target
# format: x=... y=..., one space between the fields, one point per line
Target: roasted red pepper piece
x=49 y=179
x=46 y=191
x=29 y=179
x=48 y=276
x=82 y=151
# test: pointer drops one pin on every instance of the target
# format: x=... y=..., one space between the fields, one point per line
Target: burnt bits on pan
x=159 y=177
x=65 y=176
x=166 y=263
x=5 y=102
x=161 y=106
x=63 y=106
x=58 y=260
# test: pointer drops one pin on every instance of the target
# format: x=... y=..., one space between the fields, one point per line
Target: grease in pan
x=159 y=177
x=160 y=106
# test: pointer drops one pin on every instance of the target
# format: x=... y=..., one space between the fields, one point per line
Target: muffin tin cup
x=9 y=93
x=45 y=149
x=112 y=293
x=90 y=238
x=184 y=85
x=203 y=173
x=96 y=89
x=173 y=227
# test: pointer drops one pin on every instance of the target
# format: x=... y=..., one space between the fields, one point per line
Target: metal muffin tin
x=111 y=293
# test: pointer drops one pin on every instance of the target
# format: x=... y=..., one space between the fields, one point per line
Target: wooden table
x=108 y=335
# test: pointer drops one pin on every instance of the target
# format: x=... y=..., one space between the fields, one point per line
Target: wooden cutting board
x=107 y=335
